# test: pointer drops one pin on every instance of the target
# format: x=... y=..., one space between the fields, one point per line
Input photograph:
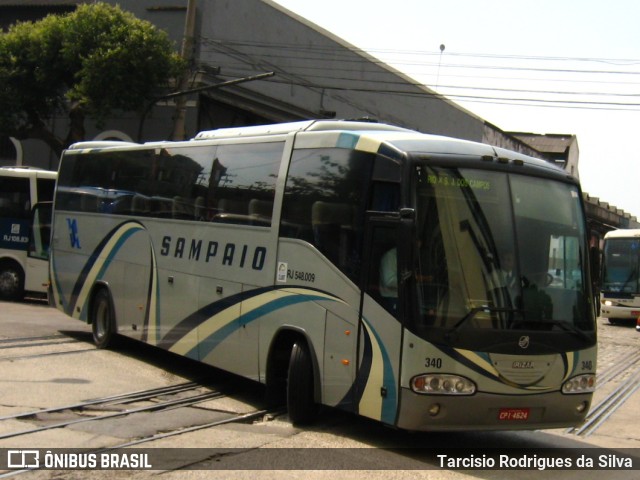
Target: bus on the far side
x=23 y=250
x=620 y=289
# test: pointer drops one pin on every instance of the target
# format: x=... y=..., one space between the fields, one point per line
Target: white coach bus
x=353 y=265
x=24 y=252
x=620 y=289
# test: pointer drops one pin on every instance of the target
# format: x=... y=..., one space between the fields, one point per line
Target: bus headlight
x=442 y=384
x=580 y=384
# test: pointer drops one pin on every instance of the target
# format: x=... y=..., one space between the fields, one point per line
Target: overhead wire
x=332 y=68
x=354 y=55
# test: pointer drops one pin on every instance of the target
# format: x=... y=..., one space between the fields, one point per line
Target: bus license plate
x=513 y=414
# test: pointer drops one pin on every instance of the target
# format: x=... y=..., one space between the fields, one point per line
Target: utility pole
x=187 y=54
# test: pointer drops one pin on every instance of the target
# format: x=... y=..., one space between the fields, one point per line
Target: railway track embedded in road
x=111 y=403
x=599 y=413
x=9 y=344
x=116 y=401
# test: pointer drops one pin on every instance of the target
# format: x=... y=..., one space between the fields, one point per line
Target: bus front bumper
x=619 y=312
x=484 y=411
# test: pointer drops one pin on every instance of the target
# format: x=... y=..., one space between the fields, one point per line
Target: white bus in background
x=354 y=265
x=24 y=251
x=620 y=285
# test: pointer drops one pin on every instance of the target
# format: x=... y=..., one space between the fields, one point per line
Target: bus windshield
x=498 y=251
x=621 y=265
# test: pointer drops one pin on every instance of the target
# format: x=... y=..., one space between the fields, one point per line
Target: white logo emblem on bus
x=524 y=341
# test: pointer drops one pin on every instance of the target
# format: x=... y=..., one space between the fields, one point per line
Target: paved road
x=48 y=360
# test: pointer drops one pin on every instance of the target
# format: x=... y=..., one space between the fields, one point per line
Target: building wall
x=494 y=136
x=316 y=73
x=572 y=158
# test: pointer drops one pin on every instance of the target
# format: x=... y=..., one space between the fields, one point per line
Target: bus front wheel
x=11 y=281
x=103 y=320
x=300 y=399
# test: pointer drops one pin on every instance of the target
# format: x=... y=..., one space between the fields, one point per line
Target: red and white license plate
x=513 y=414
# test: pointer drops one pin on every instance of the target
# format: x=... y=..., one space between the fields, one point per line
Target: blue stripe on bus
x=389 y=401
x=389 y=151
x=93 y=258
x=221 y=334
x=463 y=360
x=347 y=140
x=151 y=297
x=202 y=315
x=365 y=368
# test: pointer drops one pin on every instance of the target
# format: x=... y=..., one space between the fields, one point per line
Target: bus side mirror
x=406 y=243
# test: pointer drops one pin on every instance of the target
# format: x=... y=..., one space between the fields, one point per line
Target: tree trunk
x=76 y=125
x=39 y=131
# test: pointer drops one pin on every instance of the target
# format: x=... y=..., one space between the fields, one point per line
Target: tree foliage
x=92 y=62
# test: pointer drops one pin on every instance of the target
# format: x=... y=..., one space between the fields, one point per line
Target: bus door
x=380 y=330
x=37 y=263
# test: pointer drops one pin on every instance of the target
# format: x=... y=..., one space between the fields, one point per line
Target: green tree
x=89 y=63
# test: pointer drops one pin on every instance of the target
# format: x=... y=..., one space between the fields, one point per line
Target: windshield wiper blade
x=474 y=311
x=564 y=325
x=568 y=327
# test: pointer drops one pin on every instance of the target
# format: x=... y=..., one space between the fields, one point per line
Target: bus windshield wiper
x=474 y=311
x=563 y=325
x=568 y=327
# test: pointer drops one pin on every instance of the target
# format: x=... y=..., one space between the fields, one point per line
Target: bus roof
x=348 y=132
x=623 y=233
x=307 y=125
x=360 y=135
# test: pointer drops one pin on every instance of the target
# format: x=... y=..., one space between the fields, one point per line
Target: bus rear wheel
x=103 y=319
x=300 y=395
x=11 y=281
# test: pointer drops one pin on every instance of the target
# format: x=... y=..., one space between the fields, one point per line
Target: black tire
x=11 y=281
x=103 y=323
x=300 y=386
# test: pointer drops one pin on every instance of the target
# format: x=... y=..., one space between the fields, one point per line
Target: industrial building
x=283 y=68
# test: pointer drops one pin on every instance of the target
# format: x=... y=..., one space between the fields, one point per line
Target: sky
x=543 y=66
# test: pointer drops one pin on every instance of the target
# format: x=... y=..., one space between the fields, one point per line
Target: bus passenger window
x=324 y=203
x=246 y=185
x=333 y=229
x=14 y=197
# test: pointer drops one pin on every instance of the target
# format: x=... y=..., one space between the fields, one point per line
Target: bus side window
x=245 y=186
x=324 y=202
x=332 y=225
x=14 y=197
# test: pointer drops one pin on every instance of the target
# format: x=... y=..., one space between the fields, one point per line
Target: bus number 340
x=433 y=362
